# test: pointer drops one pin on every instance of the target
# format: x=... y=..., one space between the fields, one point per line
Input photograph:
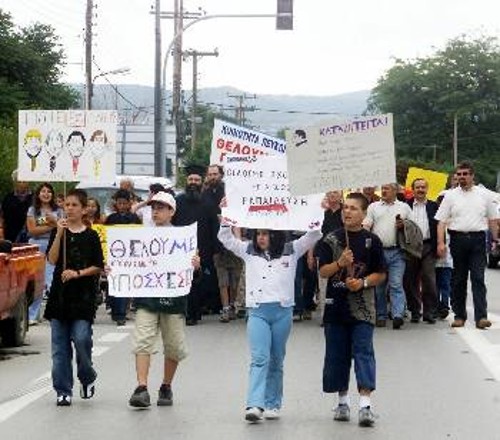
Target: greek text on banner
x=258 y=196
x=345 y=154
x=151 y=261
x=230 y=138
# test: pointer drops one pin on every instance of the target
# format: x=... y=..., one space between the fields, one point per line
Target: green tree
x=31 y=63
x=461 y=80
x=200 y=154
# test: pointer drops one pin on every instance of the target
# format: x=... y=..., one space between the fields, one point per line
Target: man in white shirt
x=467 y=211
x=384 y=218
x=420 y=275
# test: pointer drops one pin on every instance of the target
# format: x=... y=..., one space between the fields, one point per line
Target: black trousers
x=469 y=256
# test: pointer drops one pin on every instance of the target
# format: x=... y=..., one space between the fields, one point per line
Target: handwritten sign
x=348 y=154
x=435 y=180
x=233 y=139
x=258 y=196
x=151 y=261
x=67 y=145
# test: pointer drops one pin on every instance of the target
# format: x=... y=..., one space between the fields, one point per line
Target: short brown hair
x=466 y=165
x=360 y=198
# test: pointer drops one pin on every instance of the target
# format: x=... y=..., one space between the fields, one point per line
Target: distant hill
x=271 y=112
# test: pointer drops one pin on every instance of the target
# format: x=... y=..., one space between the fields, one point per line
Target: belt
x=390 y=248
x=452 y=232
x=427 y=240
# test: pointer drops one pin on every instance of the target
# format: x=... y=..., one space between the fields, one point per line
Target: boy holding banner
x=159 y=315
x=353 y=261
x=76 y=252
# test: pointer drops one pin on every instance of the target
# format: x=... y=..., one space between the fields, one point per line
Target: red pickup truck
x=22 y=279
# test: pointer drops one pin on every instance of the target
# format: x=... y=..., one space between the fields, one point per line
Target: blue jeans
x=119 y=308
x=268 y=328
x=36 y=305
x=443 y=284
x=344 y=342
x=63 y=334
x=396 y=268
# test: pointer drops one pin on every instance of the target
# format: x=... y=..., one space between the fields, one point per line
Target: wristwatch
x=365 y=283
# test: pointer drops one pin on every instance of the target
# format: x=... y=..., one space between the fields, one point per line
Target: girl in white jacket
x=270 y=264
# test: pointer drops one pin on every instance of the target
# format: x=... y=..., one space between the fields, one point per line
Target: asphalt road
x=433 y=382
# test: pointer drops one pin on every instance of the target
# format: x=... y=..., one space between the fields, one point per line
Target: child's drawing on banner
x=98 y=146
x=67 y=145
x=33 y=146
x=54 y=145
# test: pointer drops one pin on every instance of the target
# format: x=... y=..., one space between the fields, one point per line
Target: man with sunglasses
x=467 y=211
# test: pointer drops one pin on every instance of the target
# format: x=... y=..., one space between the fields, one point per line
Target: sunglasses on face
x=463 y=173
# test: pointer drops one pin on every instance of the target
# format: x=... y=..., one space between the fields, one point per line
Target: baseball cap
x=164 y=198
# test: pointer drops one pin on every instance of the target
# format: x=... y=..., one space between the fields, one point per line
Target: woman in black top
x=76 y=252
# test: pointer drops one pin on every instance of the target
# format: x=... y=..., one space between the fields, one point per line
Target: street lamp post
x=160 y=150
x=119 y=71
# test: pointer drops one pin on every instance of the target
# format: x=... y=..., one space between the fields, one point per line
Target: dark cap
x=122 y=194
x=195 y=169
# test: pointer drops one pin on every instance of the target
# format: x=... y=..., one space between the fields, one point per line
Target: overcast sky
x=336 y=46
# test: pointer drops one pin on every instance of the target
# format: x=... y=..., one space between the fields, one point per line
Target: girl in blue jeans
x=270 y=265
x=76 y=252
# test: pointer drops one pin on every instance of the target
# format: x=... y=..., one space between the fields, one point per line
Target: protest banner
x=67 y=145
x=102 y=232
x=351 y=153
x=151 y=261
x=233 y=139
x=435 y=180
x=258 y=196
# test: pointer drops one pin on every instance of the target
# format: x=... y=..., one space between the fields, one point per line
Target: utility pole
x=178 y=15
x=194 y=99
x=177 y=74
x=88 y=54
x=158 y=135
x=241 y=109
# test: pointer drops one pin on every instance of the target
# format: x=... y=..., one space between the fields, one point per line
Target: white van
x=104 y=193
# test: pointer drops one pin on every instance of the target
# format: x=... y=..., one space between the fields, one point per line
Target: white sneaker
x=87 y=391
x=272 y=414
x=253 y=414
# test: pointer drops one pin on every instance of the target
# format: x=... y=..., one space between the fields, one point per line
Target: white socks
x=344 y=399
x=364 y=401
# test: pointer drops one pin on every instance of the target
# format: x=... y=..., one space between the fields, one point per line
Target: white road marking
x=113 y=337
x=488 y=353
x=12 y=407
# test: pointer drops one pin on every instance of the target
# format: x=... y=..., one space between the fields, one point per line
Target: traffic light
x=284 y=21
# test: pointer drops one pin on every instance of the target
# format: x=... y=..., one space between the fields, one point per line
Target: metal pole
x=88 y=55
x=169 y=49
x=194 y=99
x=455 y=140
x=158 y=102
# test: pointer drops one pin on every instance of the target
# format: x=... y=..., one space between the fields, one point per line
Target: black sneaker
x=165 y=396
x=87 y=391
x=140 y=398
x=63 y=400
x=397 y=323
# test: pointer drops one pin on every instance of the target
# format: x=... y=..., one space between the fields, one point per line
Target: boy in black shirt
x=122 y=216
x=353 y=270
